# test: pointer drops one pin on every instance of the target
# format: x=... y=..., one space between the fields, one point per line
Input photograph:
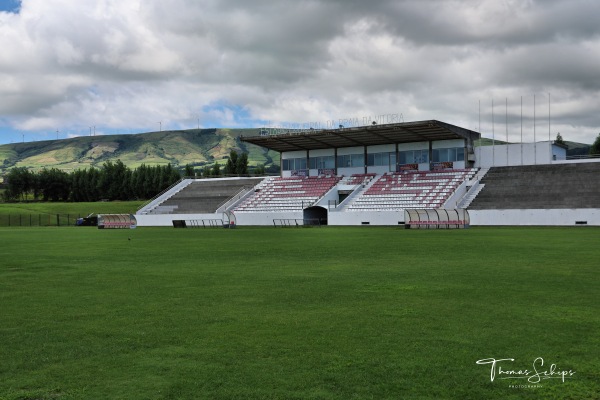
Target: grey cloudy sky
x=123 y=66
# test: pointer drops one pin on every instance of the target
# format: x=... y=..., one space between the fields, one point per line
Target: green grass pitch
x=318 y=313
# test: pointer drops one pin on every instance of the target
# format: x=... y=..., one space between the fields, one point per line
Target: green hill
x=577 y=149
x=197 y=147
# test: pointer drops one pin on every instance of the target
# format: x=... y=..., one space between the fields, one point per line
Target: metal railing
x=237 y=196
x=580 y=157
x=160 y=194
x=38 y=220
x=297 y=222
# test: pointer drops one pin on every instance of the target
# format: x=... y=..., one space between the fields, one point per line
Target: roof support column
x=335 y=162
x=430 y=155
x=308 y=163
x=365 y=158
x=397 y=157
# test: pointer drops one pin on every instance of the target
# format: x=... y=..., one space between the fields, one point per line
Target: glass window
x=294 y=163
x=351 y=160
x=358 y=160
x=451 y=154
x=402 y=157
x=370 y=159
x=381 y=159
x=300 y=163
x=325 y=162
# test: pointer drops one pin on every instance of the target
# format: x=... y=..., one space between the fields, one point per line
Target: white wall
x=321 y=152
x=350 y=170
x=535 y=217
x=559 y=153
x=167 y=219
x=293 y=154
x=448 y=144
x=265 y=218
x=381 y=148
x=514 y=154
x=342 y=151
x=557 y=217
x=413 y=146
x=373 y=217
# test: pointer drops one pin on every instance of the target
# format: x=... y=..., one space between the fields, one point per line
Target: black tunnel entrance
x=315 y=216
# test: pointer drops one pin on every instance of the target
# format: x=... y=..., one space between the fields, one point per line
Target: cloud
x=123 y=64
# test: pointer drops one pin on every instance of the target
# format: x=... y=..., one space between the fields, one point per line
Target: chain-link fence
x=25 y=220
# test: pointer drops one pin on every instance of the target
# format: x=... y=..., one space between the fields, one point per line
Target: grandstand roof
x=404 y=132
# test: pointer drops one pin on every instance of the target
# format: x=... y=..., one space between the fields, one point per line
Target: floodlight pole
x=506 y=124
x=549 y=134
x=534 y=144
x=493 y=136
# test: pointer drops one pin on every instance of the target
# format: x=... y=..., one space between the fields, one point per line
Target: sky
x=521 y=69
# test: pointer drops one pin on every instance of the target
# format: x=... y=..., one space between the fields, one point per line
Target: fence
x=284 y=222
x=26 y=220
x=200 y=223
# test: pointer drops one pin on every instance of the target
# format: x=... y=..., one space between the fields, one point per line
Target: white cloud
x=122 y=64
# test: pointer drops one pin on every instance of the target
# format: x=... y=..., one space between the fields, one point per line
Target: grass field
x=45 y=213
x=317 y=313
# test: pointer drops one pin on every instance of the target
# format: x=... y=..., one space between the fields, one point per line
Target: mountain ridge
x=196 y=147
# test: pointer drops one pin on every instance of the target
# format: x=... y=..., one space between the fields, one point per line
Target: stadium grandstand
x=372 y=175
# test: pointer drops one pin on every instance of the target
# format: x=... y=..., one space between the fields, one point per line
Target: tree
x=19 y=183
x=206 y=172
x=559 y=139
x=241 y=166
x=231 y=165
x=260 y=169
x=189 y=171
x=55 y=185
x=216 y=170
x=595 y=149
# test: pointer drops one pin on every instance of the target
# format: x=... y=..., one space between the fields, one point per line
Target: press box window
x=351 y=160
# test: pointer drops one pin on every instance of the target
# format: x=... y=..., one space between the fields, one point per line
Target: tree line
x=112 y=181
